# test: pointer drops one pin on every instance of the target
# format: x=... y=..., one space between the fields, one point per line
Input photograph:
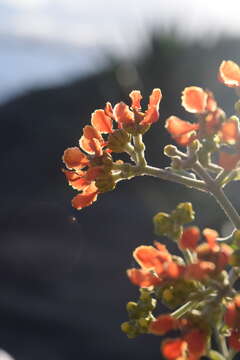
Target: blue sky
x=49 y=41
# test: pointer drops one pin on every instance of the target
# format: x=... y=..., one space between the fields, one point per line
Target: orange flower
x=163 y=324
x=194 y=99
x=190 y=347
x=230 y=134
x=143 y=277
x=174 y=349
x=102 y=122
x=91 y=140
x=189 y=238
x=229 y=73
x=74 y=158
x=183 y=132
x=199 y=270
x=234 y=339
x=86 y=198
x=232 y=314
x=126 y=117
x=196 y=342
x=211 y=251
x=156 y=266
x=228 y=161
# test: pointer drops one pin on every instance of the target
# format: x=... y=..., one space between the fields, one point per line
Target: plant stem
x=183 y=309
x=221 y=342
x=129 y=149
x=139 y=148
x=168 y=175
x=219 y=195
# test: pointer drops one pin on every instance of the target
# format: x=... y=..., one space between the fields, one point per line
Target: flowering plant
x=197 y=288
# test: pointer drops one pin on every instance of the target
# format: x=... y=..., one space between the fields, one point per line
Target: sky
x=49 y=41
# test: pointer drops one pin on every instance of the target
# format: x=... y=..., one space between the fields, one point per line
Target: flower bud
x=118 y=140
x=136 y=129
x=132 y=309
x=236 y=239
x=170 y=150
x=105 y=183
x=183 y=214
x=162 y=224
x=234 y=258
x=237 y=107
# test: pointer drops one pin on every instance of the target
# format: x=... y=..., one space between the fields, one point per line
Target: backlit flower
x=229 y=73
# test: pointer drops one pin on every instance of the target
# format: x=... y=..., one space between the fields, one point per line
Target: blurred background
x=62 y=272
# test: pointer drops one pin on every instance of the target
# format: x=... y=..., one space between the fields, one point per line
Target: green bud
x=128 y=328
x=118 y=140
x=183 y=214
x=125 y=327
x=143 y=325
x=136 y=129
x=105 y=183
x=234 y=259
x=236 y=239
x=237 y=107
x=145 y=295
x=132 y=309
x=162 y=224
x=170 y=150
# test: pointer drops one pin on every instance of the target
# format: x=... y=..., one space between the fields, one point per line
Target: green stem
x=168 y=175
x=214 y=355
x=183 y=309
x=139 y=148
x=221 y=342
x=129 y=149
x=219 y=195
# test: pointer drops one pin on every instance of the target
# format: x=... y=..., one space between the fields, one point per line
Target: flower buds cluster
x=192 y=286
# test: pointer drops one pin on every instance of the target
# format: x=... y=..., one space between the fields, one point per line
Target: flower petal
x=102 y=122
x=152 y=113
x=136 y=98
x=211 y=237
x=199 y=270
x=228 y=161
x=229 y=73
x=74 y=158
x=230 y=131
x=147 y=257
x=123 y=114
x=172 y=349
x=155 y=98
x=84 y=199
x=194 y=99
x=196 y=340
x=77 y=179
x=142 y=277
x=189 y=238
x=234 y=339
x=181 y=131
x=163 y=324
x=151 y=116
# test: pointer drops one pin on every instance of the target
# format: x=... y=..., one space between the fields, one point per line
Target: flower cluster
x=195 y=285
x=212 y=128
x=90 y=168
x=198 y=286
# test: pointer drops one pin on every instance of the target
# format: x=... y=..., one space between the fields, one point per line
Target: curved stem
x=168 y=175
x=219 y=195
